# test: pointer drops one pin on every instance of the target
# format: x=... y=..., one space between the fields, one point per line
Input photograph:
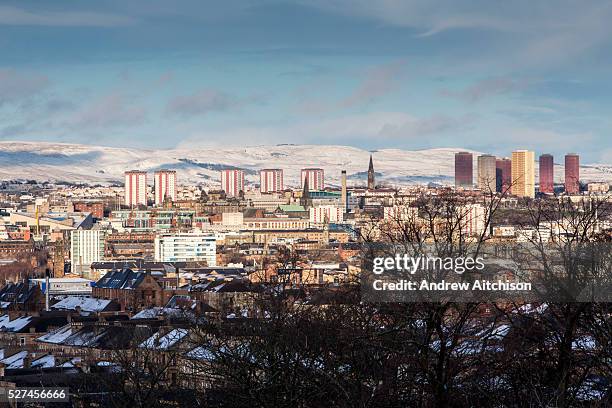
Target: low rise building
x=65 y=286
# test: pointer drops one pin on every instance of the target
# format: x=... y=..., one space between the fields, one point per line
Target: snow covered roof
x=530 y=308
x=16 y=360
x=209 y=354
x=86 y=304
x=70 y=363
x=494 y=332
x=86 y=337
x=149 y=313
x=201 y=353
x=46 y=361
x=8 y=325
x=125 y=279
x=57 y=336
x=164 y=342
x=20 y=292
x=584 y=343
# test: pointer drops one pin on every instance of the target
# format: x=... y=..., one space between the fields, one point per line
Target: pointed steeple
x=305 y=199
x=305 y=189
x=371 y=181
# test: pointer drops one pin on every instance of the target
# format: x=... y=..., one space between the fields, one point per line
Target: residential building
x=503 y=175
x=95 y=207
x=523 y=173
x=464 y=172
x=326 y=214
x=546 y=174
x=165 y=186
x=129 y=245
x=135 y=188
x=572 y=173
x=486 y=173
x=315 y=177
x=270 y=180
x=232 y=182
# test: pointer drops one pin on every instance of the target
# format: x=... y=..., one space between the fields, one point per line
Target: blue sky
x=490 y=76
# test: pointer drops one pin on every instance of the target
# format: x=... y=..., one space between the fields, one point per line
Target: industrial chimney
x=343 y=198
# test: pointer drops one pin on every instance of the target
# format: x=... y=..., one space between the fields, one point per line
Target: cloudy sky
x=490 y=76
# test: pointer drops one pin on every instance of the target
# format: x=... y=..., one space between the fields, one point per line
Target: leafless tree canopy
x=325 y=347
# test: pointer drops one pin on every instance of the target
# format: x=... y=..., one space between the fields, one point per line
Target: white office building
x=86 y=247
x=186 y=247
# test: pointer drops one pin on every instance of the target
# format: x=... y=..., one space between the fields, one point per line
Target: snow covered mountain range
x=78 y=163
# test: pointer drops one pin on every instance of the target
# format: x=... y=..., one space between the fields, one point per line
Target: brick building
x=96 y=208
x=132 y=290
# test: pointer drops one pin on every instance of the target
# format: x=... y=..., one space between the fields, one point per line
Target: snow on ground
x=96 y=164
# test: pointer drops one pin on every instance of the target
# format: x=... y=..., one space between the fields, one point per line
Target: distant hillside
x=96 y=164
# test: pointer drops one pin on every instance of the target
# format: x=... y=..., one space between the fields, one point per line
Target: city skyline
x=393 y=76
x=312 y=203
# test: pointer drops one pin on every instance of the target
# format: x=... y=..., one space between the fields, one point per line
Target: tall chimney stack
x=47 y=288
x=343 y=198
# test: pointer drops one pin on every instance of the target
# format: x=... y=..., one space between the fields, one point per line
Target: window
x=22 y=341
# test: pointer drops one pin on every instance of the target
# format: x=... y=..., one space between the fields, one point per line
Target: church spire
x=305 y=190
x=371 y=181
x=305 y=199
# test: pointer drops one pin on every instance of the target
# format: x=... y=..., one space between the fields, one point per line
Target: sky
x=482 y=75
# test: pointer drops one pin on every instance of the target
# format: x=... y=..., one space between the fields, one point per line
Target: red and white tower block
x=135 y=188
x=316 y=178
x=165 y=186
x=232 y=182
x=271 y=180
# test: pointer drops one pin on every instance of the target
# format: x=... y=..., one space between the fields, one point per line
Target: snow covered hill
x=96 y=164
